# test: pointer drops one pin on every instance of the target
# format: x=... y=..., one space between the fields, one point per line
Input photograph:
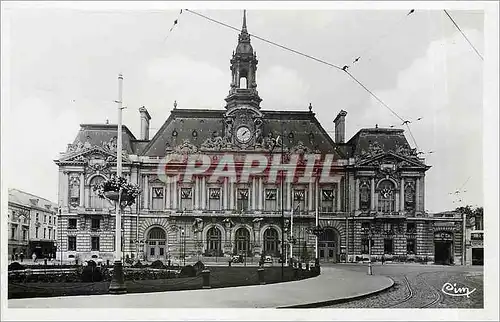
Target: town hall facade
x=377 y=193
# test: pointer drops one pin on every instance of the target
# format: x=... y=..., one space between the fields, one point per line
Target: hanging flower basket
x=110 y=189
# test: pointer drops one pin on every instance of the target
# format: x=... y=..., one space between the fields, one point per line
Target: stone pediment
x=386 y=160
x=92 y=156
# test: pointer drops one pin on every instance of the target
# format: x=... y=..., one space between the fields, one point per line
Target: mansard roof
x=198 y=125
x=101 y=134
x=387 y=139
x=29 y=200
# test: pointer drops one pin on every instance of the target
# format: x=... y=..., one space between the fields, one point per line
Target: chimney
x=340 y=127
x=145 y=117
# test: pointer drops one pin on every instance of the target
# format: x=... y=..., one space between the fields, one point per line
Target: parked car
x=237 y=259
x=268 y=259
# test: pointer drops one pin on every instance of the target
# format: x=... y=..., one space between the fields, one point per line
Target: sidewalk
x=334 y=284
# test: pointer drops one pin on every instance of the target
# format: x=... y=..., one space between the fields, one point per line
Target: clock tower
x=243 y=118
x=244 y=72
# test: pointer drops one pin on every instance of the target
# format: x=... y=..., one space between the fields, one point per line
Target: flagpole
x=117 y=285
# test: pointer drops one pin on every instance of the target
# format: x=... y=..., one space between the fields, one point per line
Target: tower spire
x=244 y=28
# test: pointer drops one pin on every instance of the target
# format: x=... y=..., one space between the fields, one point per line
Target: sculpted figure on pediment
x=300 y=148
x=186 y=148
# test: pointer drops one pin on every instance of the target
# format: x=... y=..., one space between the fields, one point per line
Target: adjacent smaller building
x=32 y=225
x=474 y=241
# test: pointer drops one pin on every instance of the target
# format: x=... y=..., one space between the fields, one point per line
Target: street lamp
x=370 y=252
x=183 y=240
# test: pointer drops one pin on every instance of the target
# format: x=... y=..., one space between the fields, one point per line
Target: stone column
x=260 y=192
x=196 y=192
x=146 y=191
x=417 y=195
x=82 y=189
x=231 y=194
x=254 y=185
x=337 y=190
x=167 y=195
x=203 y=193
x=288 y=196
x=356 y=197
x=402 y=195
x=310 y=197
x=225 y=194
x=175 y=193
x=64 y=190
x=372 y=194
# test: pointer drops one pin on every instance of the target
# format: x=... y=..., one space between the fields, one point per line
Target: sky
x=63 y=64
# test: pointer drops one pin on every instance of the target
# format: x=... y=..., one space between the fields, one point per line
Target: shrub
x=157 y=264
x=188 y=271
x=138 y=264
x=91 y=274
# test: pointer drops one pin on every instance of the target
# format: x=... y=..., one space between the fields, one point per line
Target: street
x=420 y=286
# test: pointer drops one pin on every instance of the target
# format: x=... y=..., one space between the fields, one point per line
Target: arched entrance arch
x=156 y=244
x=329 y=245
x=214 y=241
x=242 y=241
x=271 y=242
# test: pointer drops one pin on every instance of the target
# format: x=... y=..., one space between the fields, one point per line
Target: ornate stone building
x=377 y=188
x=32 y=225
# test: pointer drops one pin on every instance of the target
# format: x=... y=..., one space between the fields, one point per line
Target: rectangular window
x=411 y=246
x=50 y=232
x=478 y=222
x=50 y=220
x=95 y=243
x=45 y=218
x=214 y=198
x=36 y=232
x=37 y=216
x=44 y=233
x=157 y=203
x=24 y=234
x=387 y=227
x=13 y=232
x=96 y=224
x=242 y=200
x=271 y=200
x=365 y=227
x=411 y=228
x=72 y=223
x=72 y=243
x=388 y=246
x=299 y=200
x=326 y=200
x=186 y=199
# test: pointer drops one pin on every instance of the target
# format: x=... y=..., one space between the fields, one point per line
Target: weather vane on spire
x=244 y=28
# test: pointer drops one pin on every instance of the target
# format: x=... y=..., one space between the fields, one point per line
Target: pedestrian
x=17 y=256
x=383 y=259
x=34 y=257
x=21 y=256
x=12 y=256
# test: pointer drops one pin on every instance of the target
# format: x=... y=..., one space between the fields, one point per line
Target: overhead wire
x=392 y=29
x=463 y=34
x=344 y=68
x=176 y=21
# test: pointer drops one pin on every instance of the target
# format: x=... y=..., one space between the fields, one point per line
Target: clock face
x=243 y=134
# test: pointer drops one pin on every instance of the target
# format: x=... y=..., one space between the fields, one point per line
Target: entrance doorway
x=156 y=244
x=328 y=246
x=443 y=248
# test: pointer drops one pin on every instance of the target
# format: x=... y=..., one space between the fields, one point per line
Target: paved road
x=420 y=286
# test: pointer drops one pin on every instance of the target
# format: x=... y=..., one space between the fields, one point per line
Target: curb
x=337 y=301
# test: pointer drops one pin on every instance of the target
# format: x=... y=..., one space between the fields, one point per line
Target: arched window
x=386 y=198
x=157 y=234
x=214 y=241
x=271 y=241
x=95 y=201
x=242 y=238
x=243 y=83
